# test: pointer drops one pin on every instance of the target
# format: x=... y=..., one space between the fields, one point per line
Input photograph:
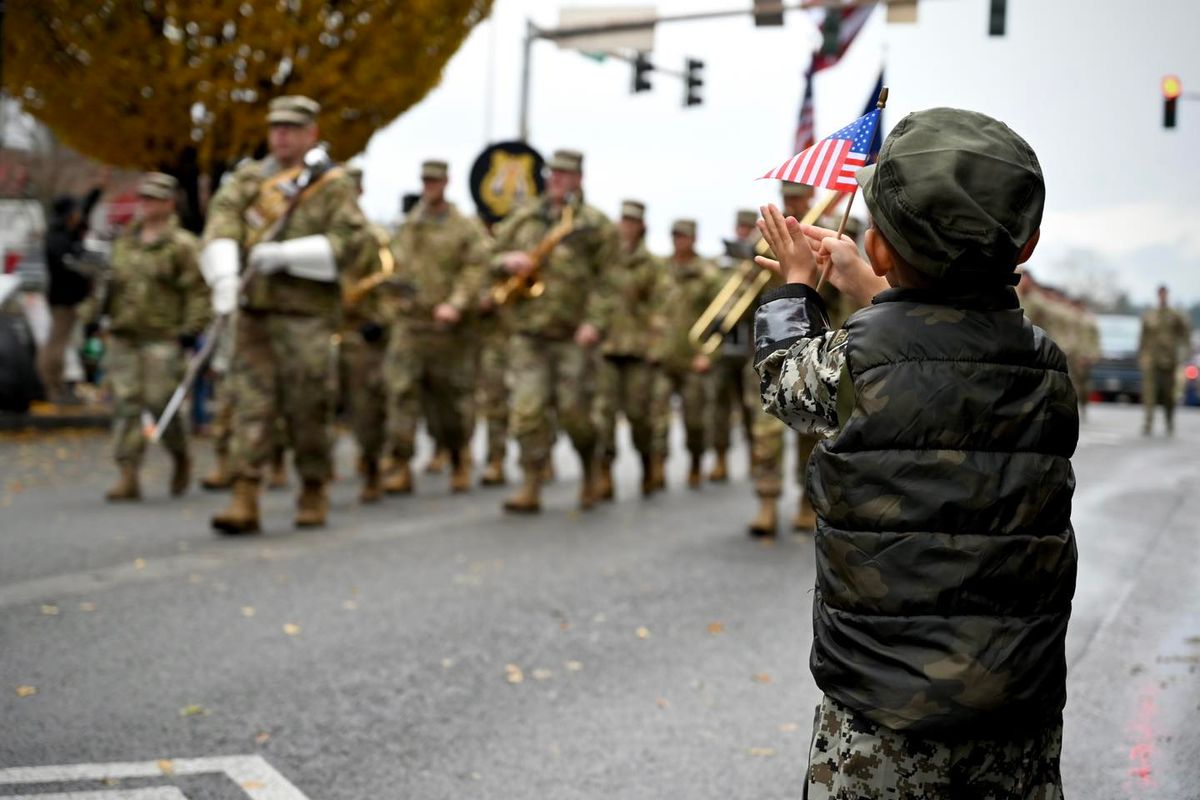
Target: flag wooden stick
x=880 y=104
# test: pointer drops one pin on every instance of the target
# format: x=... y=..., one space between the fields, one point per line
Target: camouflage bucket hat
x=158 y=185
x=293 y=109
x=956 y=193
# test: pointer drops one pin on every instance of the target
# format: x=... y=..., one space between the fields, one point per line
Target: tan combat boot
x=312 y=505
x=528 y=499
x=372 y=488
x=493 y=473
x=720 y=470
x=767 y=519
x=400 y=480
x=603 y=483
x=806 y=517
x=181 y=474
x=658 y=473
x=279 y=474
x=587 y=487
x=460 y=475
x=126 y=488
x=221 y=476
x=242 y=514
x=695 y=478
x=647 y=476
x=437 y=462
x=548 y=475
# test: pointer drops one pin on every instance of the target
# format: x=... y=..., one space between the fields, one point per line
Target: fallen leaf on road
x=195 y=579
x=87 y=607
x=26 y=691
x=139 y=563
x=762 y=752
x=291 y=629
x=263 y=738
x=350 y=605
x=193 y=711
x=762 y=677
x=251 y=786
x=574 y=666
x=643 y=632
x=447 y=663
x=513 y=674
x=789 y=727
x=50 y=611
x=247 y=611
x=661 y=702
x=716 y=627
x=166 y=766
x=599 y=618
x=542 y=674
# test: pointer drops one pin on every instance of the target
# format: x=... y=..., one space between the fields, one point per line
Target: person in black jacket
x=69 y=286
x=945 y=556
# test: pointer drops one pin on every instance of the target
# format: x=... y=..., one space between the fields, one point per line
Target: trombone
x=743 y=287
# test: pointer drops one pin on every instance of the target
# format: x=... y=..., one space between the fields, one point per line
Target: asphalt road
x=430 y=647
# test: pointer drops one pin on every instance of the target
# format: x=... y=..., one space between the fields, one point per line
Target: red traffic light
x=1172 y=87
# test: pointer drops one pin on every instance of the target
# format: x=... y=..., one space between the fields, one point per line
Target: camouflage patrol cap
x=790 y=189
x=566 y=160
x=158 y=185
x=747 y=217
x=633 y=209
x=956 y=193
x=293 y=109
x=434 y=170
x=684 y=227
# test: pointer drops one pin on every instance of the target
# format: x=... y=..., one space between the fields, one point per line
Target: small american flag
x=832 y=162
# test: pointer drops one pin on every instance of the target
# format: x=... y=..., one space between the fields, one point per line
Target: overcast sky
x=1078 y=78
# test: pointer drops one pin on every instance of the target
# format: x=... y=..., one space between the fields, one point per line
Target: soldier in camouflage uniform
x=945 y=557
x=283 y=362
x=688 y=284
x=364 y=343
x=156 y=305
x=492 y=389
x=441 y=253
x=625 y=381
x=1164 y=338
x=552 y=349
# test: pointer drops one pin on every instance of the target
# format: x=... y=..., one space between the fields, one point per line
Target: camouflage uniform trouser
x=283 y=366
x=624 y=384
x=1158 y=389
x=853 y=758
x=432 y=371
x=143 y=375
x=545 y=377
x=493 y=392
x=730 y=377
x=365 y=392
x=693 y=390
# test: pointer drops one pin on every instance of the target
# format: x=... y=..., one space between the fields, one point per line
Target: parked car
x=1115 y=375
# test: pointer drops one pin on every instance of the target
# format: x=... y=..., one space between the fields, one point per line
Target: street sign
x=640 y=40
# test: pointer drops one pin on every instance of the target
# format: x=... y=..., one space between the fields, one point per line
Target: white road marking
x=157 y=793
x=258 y=779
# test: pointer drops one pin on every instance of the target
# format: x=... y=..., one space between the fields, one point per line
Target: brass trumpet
x=743 y=287
x=530 y=285
x=387 y=262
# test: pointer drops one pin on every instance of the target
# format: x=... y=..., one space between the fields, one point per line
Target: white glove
x=309 y=257
x=219 y=265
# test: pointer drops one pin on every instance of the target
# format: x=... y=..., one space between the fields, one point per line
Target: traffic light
x=692 y=82
x=1171 y=88
x=641 y=71
x=768 y=13
x=998 y=17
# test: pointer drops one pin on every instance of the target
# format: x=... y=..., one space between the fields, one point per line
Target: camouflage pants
x=625 y=385
x=493 y=392
x=693 y=390
x=222 y=421
x=143 y=375
x=549 y=379
x=365 y=391
x=283 y=366
x=853 y=758
x=1158 y=389
x=730 y=377
x=432 y=371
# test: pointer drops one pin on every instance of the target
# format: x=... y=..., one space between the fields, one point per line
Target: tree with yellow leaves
x=184 y=86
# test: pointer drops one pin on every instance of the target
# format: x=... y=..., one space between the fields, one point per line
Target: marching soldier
x=687 y=286
x=442 y=253
x=295 y=238
x=625 y=379
x=1164 y=337
x=551 y=349
x=492 y=388
x=157 y=306
x=732 y=373
x=364 y=342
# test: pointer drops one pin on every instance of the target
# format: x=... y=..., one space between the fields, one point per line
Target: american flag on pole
x=832 y=162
